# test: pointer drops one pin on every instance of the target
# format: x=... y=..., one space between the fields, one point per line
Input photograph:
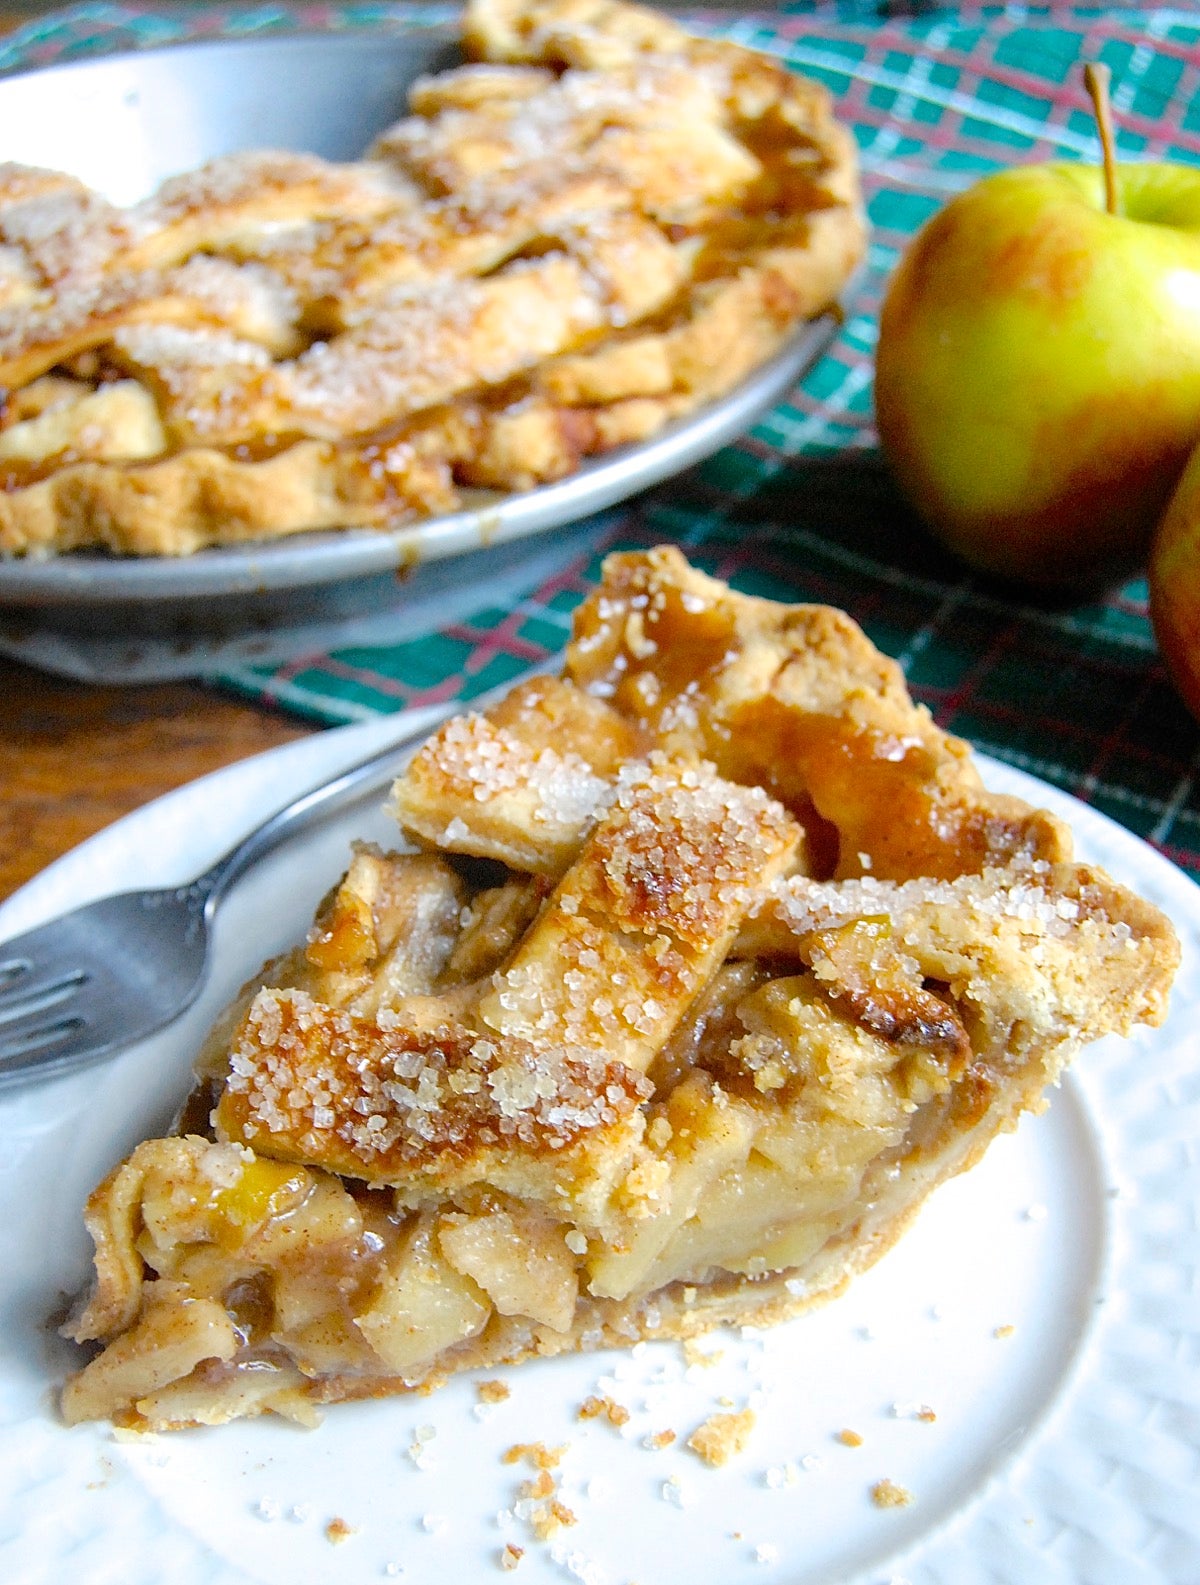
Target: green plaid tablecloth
x=801 y=508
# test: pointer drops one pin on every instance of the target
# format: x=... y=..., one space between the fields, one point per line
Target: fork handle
x=305 y=811
x=310 y=807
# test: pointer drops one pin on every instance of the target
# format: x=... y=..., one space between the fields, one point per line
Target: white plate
x=1064 y=1452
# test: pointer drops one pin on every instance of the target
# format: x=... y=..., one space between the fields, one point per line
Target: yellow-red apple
x=1038 y=372
x=1175 y=585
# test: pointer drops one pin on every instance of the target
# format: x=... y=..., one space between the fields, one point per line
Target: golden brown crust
x=522 y=783
x=544 y=260
x=644 y=916
x=797 y=699
x=384 y=1102
x=629 y=1054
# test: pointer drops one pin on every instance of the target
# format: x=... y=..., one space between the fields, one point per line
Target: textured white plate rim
x=955 y=1547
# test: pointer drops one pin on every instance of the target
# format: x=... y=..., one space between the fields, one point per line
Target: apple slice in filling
x=634 y=1044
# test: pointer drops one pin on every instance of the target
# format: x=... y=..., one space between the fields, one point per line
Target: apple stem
x=1096 y=80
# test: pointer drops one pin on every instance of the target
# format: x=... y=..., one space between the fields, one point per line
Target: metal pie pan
x=124 y=123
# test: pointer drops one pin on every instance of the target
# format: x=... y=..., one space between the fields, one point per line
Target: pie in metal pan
x=598 y=228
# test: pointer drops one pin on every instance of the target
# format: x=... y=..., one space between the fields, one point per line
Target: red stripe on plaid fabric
x=948 y=133
x=1060 y=728
x=1068 y=97
x=1124 y=602
x=1185 y=857
x=332 y=665
x=492 y=641
x=1106 y=751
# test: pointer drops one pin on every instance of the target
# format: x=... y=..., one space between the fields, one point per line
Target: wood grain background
x=74 y=758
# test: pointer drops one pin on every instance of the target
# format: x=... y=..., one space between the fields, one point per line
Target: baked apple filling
x=699 y=968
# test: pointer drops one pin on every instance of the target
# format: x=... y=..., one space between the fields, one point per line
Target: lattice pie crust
x=600 y=225
x=704 y=963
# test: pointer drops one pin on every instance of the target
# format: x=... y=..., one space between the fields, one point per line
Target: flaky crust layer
x=707 y=962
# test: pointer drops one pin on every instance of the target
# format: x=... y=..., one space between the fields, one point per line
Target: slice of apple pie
x=700 y=966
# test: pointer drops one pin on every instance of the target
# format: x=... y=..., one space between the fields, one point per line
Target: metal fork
x=94 y=981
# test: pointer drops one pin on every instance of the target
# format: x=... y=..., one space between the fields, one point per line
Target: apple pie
x=596 y=225
x=696 y=969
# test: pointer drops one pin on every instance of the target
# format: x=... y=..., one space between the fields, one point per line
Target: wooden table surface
x=74 y=758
